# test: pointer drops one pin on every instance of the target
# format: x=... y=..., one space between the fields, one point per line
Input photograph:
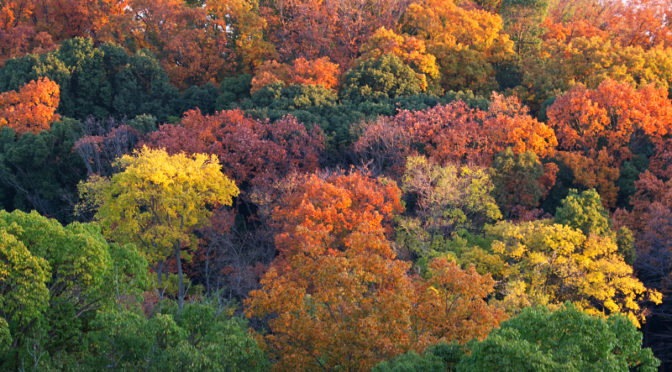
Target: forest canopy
x=299 y=185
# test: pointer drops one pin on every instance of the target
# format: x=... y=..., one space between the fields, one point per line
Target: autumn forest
x=336 y=185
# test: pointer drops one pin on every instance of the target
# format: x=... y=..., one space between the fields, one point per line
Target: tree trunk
x=180 y=292
x=159 y=279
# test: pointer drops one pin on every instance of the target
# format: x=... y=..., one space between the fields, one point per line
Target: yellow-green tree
x=157 y=202
x=549 y=263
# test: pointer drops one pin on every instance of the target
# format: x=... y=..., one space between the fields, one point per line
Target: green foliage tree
x=380 y=79
x=54 y=280
x=158 y=201
x=436 y=358
x=100 y=81
x=441 y=201
x=40 y=171
x=584 y=212
x=200 y=337
x=516 y=179
x=564 y=340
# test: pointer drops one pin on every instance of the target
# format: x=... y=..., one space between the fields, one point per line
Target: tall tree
x=337 y=297
x=157 y=201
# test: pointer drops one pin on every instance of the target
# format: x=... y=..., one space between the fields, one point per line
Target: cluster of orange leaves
x=29 y=26
x=302 y=71
x=341 y=298
x=594 y=128
x=644 y=23
x=32 y=108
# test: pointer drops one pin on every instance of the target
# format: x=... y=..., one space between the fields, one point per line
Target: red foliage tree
x=332 y=28
x=455 y=133
x=252 y=152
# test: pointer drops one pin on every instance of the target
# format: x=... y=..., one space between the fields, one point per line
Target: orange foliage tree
x=644 y=23
x=318 y=72
x=192 y=47
x=246 y=28
x=595 y=127
x=32 y=108
x=337 y=296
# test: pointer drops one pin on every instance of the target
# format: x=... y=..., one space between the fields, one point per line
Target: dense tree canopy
x=370 y=183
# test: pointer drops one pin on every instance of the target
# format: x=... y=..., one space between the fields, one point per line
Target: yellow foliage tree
x=409 y=49
x=158 y=201
x=549 y=264
x=466 y=42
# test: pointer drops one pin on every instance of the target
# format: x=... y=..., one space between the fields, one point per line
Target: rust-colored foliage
x=651 y=223
x=336 y=29
x=338 y=297
x=595 y=126
x=252 y=152
x=32 y=26
x=318 y=72
x=455 y=133
x=644 y=23
x=192 y=46
x=448 y=289
x=32 y=108
x=660 y=163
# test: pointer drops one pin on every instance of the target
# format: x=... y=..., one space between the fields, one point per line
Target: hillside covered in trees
x=335 y=185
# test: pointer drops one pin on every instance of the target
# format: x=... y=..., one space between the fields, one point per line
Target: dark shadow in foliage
x=99 y=81
x=40 y=171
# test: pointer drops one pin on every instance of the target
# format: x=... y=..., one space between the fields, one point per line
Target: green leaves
x=101 y=81
x=198 y=338
x=584 y=212
x=53 y=280
x=380 y=79
x=564 y=340
x=23 y=281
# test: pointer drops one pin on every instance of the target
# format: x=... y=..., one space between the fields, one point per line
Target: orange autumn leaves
x=33 y=26
x=596 y=126
x=302 y=71
x=32 y=108
x=339 y=296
